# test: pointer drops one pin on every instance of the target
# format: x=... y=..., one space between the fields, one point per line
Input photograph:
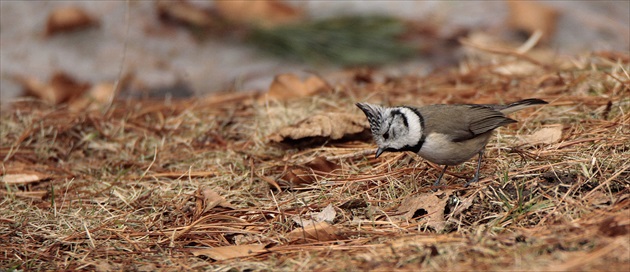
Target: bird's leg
x=437 y=182
x=476 y=177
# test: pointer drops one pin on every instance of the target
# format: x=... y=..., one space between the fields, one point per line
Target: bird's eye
x=386 y=135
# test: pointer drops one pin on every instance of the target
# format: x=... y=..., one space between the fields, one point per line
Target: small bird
x=442 y=134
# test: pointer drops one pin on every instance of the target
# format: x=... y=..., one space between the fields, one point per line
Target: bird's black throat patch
x=416 y=148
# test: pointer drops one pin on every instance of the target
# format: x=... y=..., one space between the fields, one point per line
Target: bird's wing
x=483 y=119
x=462 y=122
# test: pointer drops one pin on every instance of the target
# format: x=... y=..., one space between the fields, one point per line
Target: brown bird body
x=443 y=134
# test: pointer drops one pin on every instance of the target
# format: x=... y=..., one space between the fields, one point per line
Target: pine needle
x=346 y=41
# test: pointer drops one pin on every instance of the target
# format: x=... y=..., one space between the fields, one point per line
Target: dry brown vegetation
x=197 y=184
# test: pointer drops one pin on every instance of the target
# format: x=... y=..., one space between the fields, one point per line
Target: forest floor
x=287 y=181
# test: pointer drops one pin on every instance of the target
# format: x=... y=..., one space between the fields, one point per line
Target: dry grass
x=123 y=189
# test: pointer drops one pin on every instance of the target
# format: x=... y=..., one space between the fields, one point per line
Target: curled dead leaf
x=97 y=96
x=325 y=215
x=429 y=206
x=69 y=18
x=61 y=88
x=230 y=252
x=298 y=176
x=208 y=199
x=23 y=178
x=532 y=16
x=321 y=231
x=265 y=13
x=461 y=205
x=321 y=128
x=270 y=181
x=322 y=166
x=547 y=135
x=183 y=12
x=287 y=86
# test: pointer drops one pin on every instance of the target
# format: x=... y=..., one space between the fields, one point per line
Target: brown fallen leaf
x=532 y=16
x=183 y=12
x=38 y=195
x=322 y=166
x=265 y=13
x=321 y=231
x=246 y=239
x=296 y=176
x=287 y=86
x=613 y=226
x=208 y=199
x=23 y=178
x=60 y=89
x=322 y=127
x=230 y=252
x=546 y=135
x=430 y=206
x=325 y=215
x=462 y=205
x=97 y=96
x=69 y=18
x=270 y=181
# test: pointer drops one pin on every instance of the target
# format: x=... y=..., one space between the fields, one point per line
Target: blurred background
x=185 y=48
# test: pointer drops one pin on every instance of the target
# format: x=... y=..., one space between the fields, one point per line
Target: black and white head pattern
x=394 y=129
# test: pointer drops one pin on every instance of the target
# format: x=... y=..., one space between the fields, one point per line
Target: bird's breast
x=439 y=148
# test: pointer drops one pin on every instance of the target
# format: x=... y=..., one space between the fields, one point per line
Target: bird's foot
x=473 y=180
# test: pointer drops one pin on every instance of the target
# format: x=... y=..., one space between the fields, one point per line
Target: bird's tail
x=519 y=105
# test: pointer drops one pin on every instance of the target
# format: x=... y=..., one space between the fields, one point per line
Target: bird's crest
x=374 y=114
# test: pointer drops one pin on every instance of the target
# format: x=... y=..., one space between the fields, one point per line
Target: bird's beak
x=379 y=151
